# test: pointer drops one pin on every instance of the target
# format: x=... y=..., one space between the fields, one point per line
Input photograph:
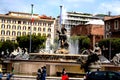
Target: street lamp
x=31 y=29
x=110 y=46
x=61 y=16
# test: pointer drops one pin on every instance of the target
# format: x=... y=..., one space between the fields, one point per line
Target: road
x=26 y=77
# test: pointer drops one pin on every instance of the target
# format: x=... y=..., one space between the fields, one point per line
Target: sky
x=52 y=7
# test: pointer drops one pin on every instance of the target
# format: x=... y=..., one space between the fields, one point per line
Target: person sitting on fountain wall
x=97 y=49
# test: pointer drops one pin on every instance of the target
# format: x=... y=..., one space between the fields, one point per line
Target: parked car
x=102 y=75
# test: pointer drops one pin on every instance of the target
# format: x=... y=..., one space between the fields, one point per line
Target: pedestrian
x=43 y=75
x=1 y=75
x=64 y=75
x=63 y=71
x=39 y=74
x=9 y=75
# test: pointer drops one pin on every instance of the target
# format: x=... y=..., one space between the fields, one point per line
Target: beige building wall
x=16 y=24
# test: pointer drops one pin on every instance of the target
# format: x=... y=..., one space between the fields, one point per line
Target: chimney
x=109 y=13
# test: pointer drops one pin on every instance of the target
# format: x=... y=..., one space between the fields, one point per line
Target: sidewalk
x=28 y=77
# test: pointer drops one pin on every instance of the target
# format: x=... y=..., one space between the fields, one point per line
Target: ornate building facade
x=15 y=24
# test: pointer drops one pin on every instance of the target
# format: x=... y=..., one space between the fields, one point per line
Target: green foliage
x=7 y=46
x=36 y=42
x=104 y=42
x=115 y=45
x=74 y=38
x=84 y=42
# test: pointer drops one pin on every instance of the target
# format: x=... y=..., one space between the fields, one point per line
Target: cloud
x=113 y=7
x=80 y=1
x=14 y=5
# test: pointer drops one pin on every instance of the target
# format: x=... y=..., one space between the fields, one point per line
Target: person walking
x=39 y=74
x=9 y=75
x=64 y=75
x=43 y=75
x=1 y=75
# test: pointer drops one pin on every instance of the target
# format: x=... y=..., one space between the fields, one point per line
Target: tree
x=115 y=46
x=84 y=42
x=7 y=47
x=36 y=42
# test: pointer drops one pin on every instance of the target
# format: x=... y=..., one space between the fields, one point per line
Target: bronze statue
x=63 y=37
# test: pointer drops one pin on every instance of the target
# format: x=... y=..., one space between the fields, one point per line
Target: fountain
x=116 y=59
x=73 y=48
x=62 y=41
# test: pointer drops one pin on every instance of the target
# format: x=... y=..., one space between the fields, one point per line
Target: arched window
x=44 y=29
x=24 y=27
x=7 y=39
x=8 y=33
x=34 y=33
x=3 y=26
x=14 y=27
x=8 y=26
x=28 y=33
x=39 y=34
x=39 y=29
x=44 y=34
x=19 y=28
x=13 y=39
x=13 y=33
x=2 y=32
x=2 y=39
x=49 y=30
x=34 y=28
x=18 y=33
x=23 y=33
x=49 y=35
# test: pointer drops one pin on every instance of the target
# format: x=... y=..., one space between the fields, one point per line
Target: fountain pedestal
x=95 y=66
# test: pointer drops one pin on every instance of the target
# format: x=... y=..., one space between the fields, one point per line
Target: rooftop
x=98 y=22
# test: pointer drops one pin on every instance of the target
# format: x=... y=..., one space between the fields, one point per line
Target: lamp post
x=61 y=16
x=31 y=29
x=110 y=46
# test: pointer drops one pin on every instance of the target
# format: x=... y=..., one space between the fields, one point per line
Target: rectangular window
x=8 y=21
x=24 y=22
x=107 y=26
x=29 y=28
x=44 y=29
x=19 y=22
x=3 y=20
x=14 y=21
x=116 y=24
x=34 y=28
